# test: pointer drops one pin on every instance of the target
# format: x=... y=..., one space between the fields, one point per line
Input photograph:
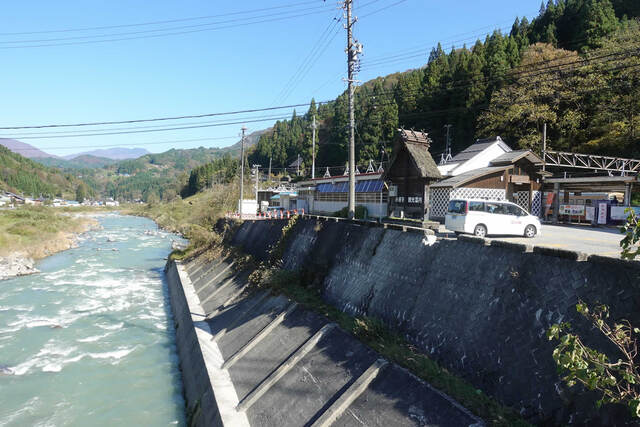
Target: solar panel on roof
x=366 y=186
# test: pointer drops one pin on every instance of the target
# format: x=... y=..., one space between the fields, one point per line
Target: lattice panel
x=521 y=198
x=478 y=193
x=438 y=202
x=439 y=197
x=536 y=203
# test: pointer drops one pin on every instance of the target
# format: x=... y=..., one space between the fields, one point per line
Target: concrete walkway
x=603 y=241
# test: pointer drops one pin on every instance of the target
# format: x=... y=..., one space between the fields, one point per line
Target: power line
x=156 y=22
x=290 y=83
x=135 y=144
x=154 y=30
x=151 y=130
x=70 y=132
x=382 y=8
x=529 y=73
x=157 y=119
x=167 y=33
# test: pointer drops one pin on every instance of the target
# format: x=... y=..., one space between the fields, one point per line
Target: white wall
x=481 y=160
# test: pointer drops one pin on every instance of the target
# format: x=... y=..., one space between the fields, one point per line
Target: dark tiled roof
x=513 y=156
x=475 y=148
x=297 y=162
x=463 y=178
x=417 y=144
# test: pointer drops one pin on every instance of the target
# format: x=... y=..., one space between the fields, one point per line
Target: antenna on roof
x=326 y=173
x=446 y=156
x=370 y=169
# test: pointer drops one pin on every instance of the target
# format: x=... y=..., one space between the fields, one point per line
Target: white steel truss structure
x=591 y=161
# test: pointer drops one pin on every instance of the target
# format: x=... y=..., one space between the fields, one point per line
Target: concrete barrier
x=256 y=359
x=560 y=253
x=481 y=310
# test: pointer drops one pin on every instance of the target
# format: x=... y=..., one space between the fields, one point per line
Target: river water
x=90 y=340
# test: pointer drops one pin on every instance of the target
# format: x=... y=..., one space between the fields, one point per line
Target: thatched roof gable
x=417 y=145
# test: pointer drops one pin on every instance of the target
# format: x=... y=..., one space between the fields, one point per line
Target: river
x=90 y=340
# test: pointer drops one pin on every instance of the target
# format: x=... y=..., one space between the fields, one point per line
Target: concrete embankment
x=250 y=358
x=481 y=310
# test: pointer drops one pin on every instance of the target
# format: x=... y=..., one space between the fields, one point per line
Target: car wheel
x=530 y=231
x=480 y=230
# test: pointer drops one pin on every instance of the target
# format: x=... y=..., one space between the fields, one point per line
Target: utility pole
x=353 y=49
x=244 y=129
x=313 y=149
x=544 y=147
x=269 y=168
x=298 y=165
x=257 y=172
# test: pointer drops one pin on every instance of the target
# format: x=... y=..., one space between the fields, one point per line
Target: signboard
x=548 y=203
x=602 y=213
x=618 y=212
x=573 y=210
x=590 y=213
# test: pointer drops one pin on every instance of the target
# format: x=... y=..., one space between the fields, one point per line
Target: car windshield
x=457 y=206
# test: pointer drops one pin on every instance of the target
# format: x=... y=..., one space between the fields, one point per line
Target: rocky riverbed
x=22 y=263
x=18 y=264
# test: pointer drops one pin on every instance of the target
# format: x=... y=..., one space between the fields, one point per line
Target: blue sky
x=206 y=69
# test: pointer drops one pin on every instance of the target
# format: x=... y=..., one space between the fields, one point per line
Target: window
x=495 y=208
x=514 y=210
x=476 y=206
x=457 y=206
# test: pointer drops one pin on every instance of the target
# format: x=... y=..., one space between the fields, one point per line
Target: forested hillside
x=21 y=175
x=575 y=67
x=155 y=177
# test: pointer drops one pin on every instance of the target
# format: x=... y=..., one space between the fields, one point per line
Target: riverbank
x=28 y=234
x=192 y=218
x=90 y=340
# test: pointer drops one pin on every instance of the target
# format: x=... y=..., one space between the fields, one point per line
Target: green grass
x=28 y=228
x=193 y=217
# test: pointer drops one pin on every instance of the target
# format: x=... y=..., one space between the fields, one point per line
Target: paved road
x=600 y=241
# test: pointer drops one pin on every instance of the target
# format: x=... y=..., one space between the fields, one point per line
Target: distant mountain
x=117 y=153
x=23 y=149
x=22 y=175
x=249 y=141
x=85 y=161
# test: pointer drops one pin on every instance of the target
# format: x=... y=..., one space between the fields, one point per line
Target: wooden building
x=513 y=175
x=410 y=173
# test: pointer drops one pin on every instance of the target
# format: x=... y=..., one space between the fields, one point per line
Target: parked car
x=483 y=217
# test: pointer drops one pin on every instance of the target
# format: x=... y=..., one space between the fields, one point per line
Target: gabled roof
x=477 y=147
x=417 y=145
x=513 y=156
x=297 y=162
x=463 y=178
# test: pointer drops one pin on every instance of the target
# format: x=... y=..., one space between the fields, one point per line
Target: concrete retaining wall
x=481 y=310
x=257 y=359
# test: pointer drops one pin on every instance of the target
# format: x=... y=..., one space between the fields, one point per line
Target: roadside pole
x=244 y=129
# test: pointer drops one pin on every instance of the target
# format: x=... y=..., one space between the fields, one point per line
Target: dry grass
x=39 y=231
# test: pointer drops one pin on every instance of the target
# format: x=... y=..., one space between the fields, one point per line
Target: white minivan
x=483 y=217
